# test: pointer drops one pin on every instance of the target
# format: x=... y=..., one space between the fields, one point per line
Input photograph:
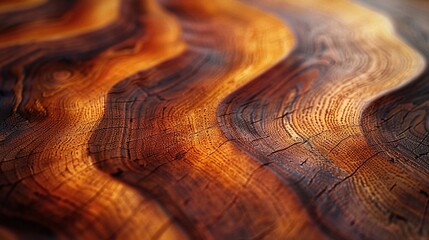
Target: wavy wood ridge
x=226 y=119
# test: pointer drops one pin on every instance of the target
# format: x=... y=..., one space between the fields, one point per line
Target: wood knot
x=61 y=75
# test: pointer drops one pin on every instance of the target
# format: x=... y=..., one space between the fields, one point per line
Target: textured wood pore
x=226 y=119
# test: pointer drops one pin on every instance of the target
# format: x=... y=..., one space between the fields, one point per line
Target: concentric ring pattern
x=224 y=119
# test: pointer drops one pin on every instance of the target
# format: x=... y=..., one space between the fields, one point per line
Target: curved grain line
x=58 y=139
x=197 y=175
x=400 y=115
x=188 y=119
x=315 y=98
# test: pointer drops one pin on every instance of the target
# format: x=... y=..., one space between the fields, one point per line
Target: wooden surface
x=223 y=119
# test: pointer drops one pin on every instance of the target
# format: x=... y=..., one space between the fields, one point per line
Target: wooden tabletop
x=214 y=119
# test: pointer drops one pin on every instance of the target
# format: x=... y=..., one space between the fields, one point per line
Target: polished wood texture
x=225 y=119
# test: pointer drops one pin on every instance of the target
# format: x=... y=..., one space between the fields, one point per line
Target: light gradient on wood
x=187 y=119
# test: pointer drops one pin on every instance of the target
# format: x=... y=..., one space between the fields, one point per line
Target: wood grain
x=226 y=119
